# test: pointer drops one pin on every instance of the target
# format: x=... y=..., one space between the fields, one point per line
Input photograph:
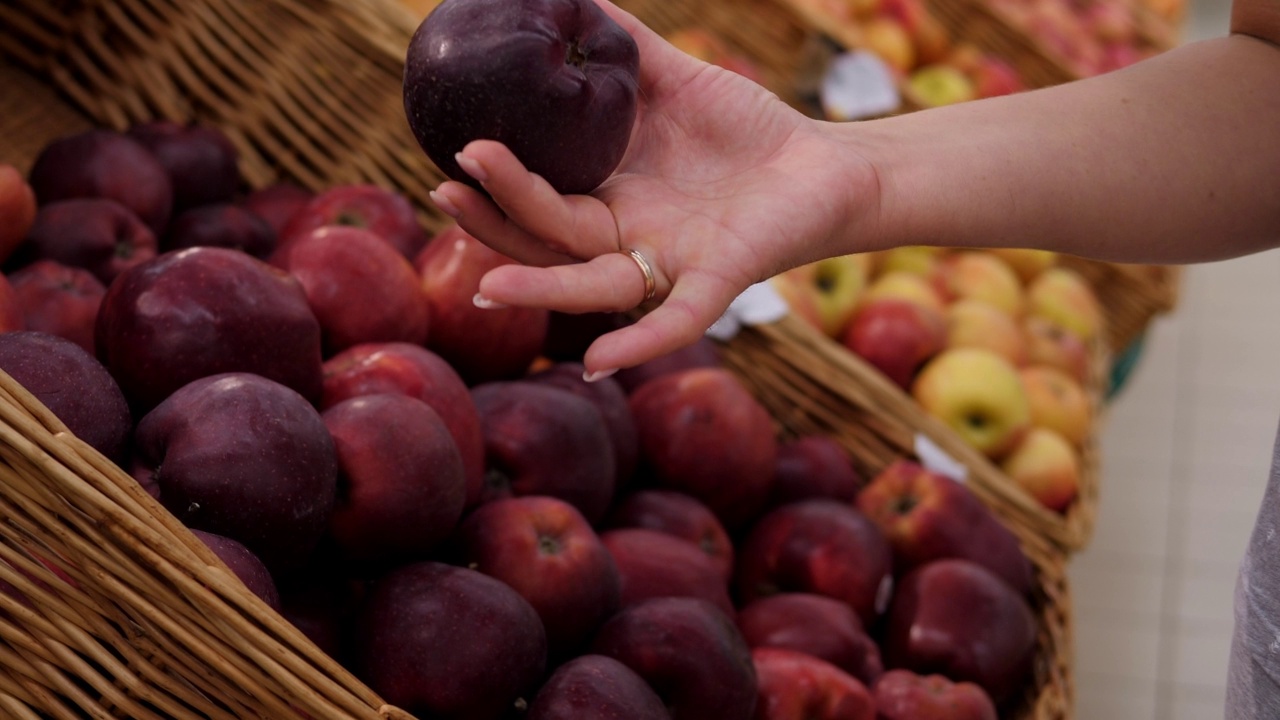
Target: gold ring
x=650 y=284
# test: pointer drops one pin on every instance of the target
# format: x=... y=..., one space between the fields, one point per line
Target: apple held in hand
x=904 y=695
x=596 y=687
x=795 y=685
x=553 y=80
x=979 y=395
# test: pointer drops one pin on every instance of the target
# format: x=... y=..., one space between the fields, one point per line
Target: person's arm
x=1173 y=160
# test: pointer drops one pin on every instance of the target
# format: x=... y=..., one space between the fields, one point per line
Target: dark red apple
x=595 y=687
x=794 y=685
x=814 y=466
x=59 y=300
x=193 y=313
x=277 y=204
x=202 y=163
x=239 y=455
x=689 y=652
x=701 y=354
x=928 y=516
x=703 y=433
x=105 y=164
x=680 y=515
x=99 y=235
x=385 y=213
x=653 y=564
x=569 y=335
x=546 y=551
x=360 y=289
x=556 y=81
x=611 y=400
x=482 y=344
x=73 y=385
x=11 y=317
x=400 y=482
x=245 y=565
x=896 y=337
x=818 y=546
x=419 y=373
x=904 y=695
x=322 y=604
x=541 y=440
x=956 y=618
x=449 y=643
x=223 y=225
x=816 y=625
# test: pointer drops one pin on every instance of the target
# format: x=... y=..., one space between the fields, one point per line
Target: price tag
x=935 y=459
x=757 y=305
x=858 y=85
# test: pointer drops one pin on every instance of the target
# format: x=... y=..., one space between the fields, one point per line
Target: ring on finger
x=650 y=283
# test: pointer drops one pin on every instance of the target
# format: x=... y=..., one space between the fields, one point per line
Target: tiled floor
x=1186 y=449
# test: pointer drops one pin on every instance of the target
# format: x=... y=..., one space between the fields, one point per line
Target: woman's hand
x=723 y=185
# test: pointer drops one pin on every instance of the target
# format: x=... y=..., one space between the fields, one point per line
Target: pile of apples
x=995 y=343
x=932 y=67
x=433 y=494
x=1089 y=37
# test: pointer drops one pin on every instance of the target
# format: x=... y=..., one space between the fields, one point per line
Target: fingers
x=609 y=283
x=697 y=301
x=483 y=220
x=576 y=226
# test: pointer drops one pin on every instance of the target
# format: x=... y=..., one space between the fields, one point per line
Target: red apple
x=596 y=687
x=360 y=289
x=383 y=212
x=813 y=466
x=277 y=204
x=481 y=344
x=680 y=515
x=201 y=161
x=73 y=385
x=556 y=82
x=322 y=604
x=569 y=335
x=448 y=642
x=99 y=235
x=400 y=483
x=653 y=564
x=818 y=546
x=105 y=164
x=239 y=455
x=59 y=300
x=956 y=618
x=904 y=695
x=703 y=353
x=795 y=685
x=419 y=373
x=541 y=440
x=546 y=551
x=704 y=434
x=1058 y=402
x=816 y=625
x=995 y=77
x=611 y=400
x=223 y=225
x=193 y=313
x=689 y=652
x=927 y=516
x=245 y=565
x=1047 y=466
x=1048 y=344
x=17 y=209
x=896 y=336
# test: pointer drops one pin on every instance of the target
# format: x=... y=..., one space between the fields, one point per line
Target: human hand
x=722 y=186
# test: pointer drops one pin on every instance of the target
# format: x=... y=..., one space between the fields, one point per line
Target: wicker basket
x=152 y=624
x=1132 y=295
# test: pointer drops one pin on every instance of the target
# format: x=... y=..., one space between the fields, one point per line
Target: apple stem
x=574 y=56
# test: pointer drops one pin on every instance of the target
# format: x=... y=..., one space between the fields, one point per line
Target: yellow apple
x=1048 y=344
x=939 y=84
x=1047 y=467
x=917 y=259
x=906 y=286
x=889 y=40
x=1057 y=402
x=981 y=276
x=1064 y=298
x=1026 y=262
x=979 y=395
x=975 y=323
x=832 y=286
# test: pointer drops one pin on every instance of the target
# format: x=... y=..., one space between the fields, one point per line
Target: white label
x=757 y=305
x=936 y=459
x=859 y=85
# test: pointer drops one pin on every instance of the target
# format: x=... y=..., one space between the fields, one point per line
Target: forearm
x=1174 y=160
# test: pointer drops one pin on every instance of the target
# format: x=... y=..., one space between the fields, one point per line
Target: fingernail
x=471 y=167
x=481 y=301
x=598 y=375
x=445 y=204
